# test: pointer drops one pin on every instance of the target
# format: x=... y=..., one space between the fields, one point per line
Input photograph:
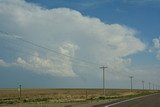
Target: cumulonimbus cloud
x=69 y=32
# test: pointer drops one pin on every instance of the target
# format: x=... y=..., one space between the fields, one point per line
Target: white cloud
x=68 y=32
x=158 y=55
x=156 y=42
x=56 y=66
x=150 y=50
x=48 y=65
x=156 y=46
x=3 y=63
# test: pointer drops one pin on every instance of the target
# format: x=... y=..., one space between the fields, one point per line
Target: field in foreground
x=57 y=96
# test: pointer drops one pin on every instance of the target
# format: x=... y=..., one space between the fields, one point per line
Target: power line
x=51 y=50
x=17 y=37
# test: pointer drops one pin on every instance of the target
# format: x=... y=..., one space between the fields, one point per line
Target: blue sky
x=140 y=15
x=41 y=34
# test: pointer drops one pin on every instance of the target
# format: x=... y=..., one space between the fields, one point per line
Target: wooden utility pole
x=143 y=84
x=103 y=68
x=20 y=91
x=86 y=93
x=131 y=77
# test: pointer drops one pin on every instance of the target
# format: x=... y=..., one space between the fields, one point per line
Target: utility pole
x=86 y=94
x=20 y=91
x=143 y=84
x=103 y=68
x=156 y=87
x=153 y=86
x=131 y=77
x=149 y=85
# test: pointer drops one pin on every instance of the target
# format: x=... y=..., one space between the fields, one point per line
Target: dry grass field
x=11 y=96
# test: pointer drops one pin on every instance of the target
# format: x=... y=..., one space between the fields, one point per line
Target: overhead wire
x=96 y=65
x=51 y=50
x=16 y=50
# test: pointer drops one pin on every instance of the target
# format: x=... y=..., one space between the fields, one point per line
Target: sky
x=62 y=43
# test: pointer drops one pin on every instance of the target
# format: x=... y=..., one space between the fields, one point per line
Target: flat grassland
x=11 y=96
